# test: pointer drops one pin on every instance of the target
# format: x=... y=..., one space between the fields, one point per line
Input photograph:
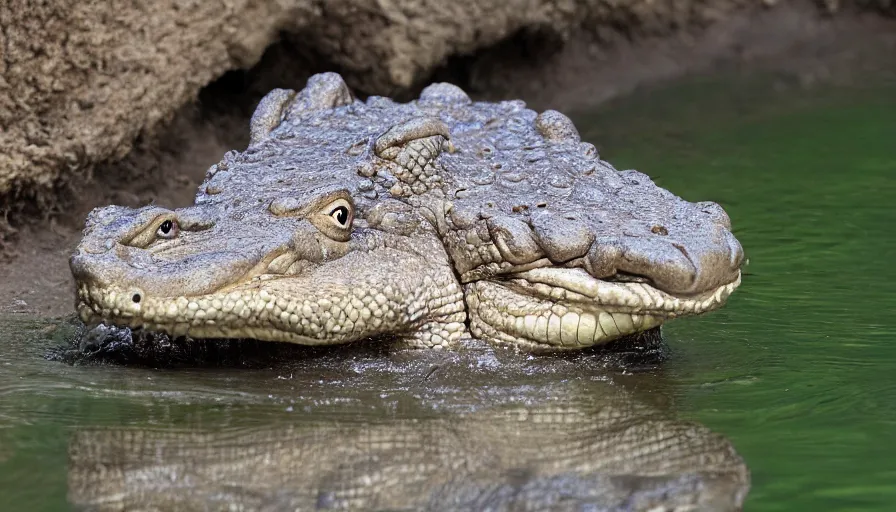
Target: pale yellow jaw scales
x=425 y=314
x=559 y=308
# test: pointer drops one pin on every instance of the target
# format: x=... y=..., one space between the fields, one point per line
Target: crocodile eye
x=167 y=229
x=334 y=218
x=341 y=215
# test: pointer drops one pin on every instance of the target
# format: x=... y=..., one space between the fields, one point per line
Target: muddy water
x=797 y=371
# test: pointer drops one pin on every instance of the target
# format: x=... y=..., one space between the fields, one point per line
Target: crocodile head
x=428 y=221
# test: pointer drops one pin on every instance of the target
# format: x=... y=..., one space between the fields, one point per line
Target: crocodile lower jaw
x=248 y=313
x=574 y=285
x=286 y=309
x=549 y=309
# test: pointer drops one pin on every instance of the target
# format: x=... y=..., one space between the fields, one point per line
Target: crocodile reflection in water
x=616 y=453
x=430 y=221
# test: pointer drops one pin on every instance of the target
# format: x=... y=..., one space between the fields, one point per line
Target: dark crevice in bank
x=527 y=49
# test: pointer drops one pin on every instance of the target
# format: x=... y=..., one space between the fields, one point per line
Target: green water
x=800 y=369
x=797 y=371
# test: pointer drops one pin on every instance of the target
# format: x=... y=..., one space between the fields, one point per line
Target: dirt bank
x=142 y=137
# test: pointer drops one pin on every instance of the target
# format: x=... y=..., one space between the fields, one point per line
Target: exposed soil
x=795 y=43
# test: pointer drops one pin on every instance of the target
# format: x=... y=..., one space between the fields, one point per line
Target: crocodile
x=429 y=222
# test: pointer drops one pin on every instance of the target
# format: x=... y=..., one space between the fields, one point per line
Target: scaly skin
x=426 y=221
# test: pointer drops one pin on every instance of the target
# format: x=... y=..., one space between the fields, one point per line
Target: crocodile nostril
x=715 y=212
x=136 y=298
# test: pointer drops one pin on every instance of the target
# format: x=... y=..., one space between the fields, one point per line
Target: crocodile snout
x=675 y=260
x=131 y=267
